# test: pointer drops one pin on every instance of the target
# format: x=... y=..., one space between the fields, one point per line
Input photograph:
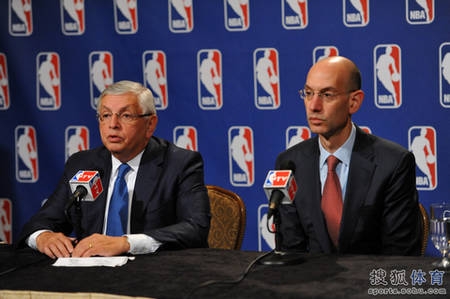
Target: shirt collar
x=343 y=153
x=133 y=163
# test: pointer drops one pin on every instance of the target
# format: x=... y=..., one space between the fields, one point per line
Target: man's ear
x=356 y=99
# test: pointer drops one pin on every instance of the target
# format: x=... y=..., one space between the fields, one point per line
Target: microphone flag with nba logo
x=86 y=184
x=280 y=187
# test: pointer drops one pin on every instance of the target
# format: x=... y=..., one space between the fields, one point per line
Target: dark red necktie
x=332 y=200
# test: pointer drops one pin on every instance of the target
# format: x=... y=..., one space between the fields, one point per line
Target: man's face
x=125 y=139
x=328 y=109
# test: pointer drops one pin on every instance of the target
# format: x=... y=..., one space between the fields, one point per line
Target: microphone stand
x=75 y=201
x=278 y=257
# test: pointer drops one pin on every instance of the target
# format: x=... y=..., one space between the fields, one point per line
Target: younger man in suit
x=377 y=208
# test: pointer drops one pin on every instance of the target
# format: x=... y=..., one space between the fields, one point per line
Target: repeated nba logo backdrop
x=101 y=74
x=422 y=143
x=181 y=16
x=5 y=220
x=322 y=52
x=241 y=155
x=126 y=16
x=294 y=14
x=186 y=137
x=27 y=170
x=296 y=134
x=237 y=15
x=155 y=77
x=225 y=76
x=209 y=65
x=419 y=11
x=48 y=81
x=387 y=76
x=267 y=78
x=356 y=13
x=77 y=139
x=4 y=86
x=72 y=17
x=20 y=18
x=444 y=74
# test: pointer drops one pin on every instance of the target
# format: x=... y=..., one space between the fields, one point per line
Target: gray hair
x=144 y=95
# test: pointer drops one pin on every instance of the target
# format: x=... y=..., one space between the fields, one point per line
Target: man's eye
x=126 y=116
x=106 y=115
x=328 y=95
x=308 y=93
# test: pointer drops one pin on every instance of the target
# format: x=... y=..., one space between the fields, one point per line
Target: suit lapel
x=310 y=175
x=361 y=170
x=147 y=178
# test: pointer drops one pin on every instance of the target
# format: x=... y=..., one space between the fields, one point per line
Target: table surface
x=187 y=273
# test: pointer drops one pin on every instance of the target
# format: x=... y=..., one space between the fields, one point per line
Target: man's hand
x=101 y=245
x=54 y=244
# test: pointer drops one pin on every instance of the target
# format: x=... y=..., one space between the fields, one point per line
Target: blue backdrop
x=225 y=74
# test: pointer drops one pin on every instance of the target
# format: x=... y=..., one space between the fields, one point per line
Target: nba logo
x=185 y=137
x=387 y=76
x=356 y=13
x=266 y=229
x=48 y=85
x=125 y=16
x=72 y=17
x=5 y=220
x=20 y=18
x=101 y=74
x=422 y=143
x=209 y=66
x=444 y=74
x=4 y=86
x=296 y=134
x=76 y=139
x=294 y=14
x=324 y=52
x=419 y=11
x=181 y=16
x=26 y=154
x=241 y=155
x=237 y=15
x=155 y=77
x=267 y=78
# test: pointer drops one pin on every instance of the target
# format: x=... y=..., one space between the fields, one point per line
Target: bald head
x=350 y=76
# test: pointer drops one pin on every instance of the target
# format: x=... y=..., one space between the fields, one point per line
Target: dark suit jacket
x=170 y=202
x=381 y=213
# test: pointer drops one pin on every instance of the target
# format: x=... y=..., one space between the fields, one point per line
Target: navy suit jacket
x=170 y=202
x=381 y=213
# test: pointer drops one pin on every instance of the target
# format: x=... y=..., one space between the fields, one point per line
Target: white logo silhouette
x=240 y=151
x=27 y=152
x=384 y=63
x=21 y=7
x=48 y=77
x=155 y=76
x=265 y=74
x=420 y=146
x=100 y=74
x=209 y=75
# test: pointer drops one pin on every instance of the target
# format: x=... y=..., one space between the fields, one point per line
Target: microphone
x=86 y=185
x=280 y=187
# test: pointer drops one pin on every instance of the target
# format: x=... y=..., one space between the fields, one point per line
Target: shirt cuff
x=142 y=244
x=31 y=240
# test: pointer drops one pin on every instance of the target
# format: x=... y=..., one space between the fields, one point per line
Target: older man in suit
x=167 y=205
x=376 y=210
